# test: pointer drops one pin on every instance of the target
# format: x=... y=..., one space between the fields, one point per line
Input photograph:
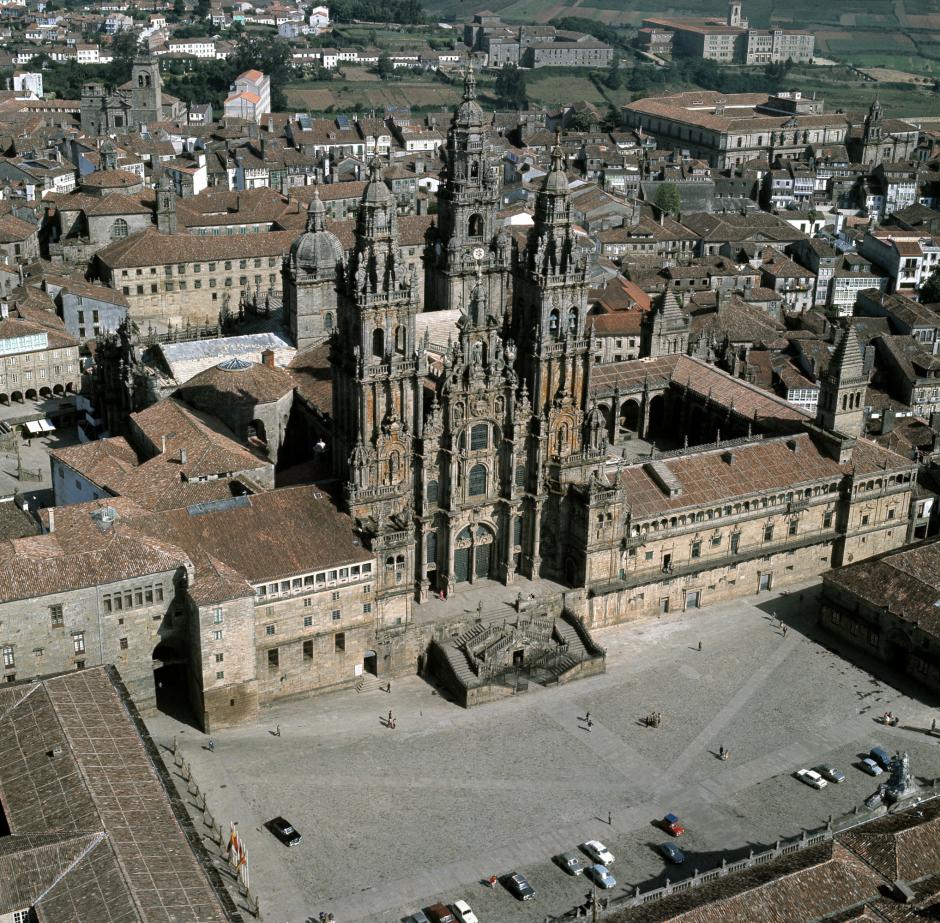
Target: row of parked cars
x=874 y=764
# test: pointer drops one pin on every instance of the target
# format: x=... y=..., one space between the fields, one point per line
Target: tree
x=582 y=121
x=930 y=290
x=384 y=67
x=202 y=9
x=179 y=8
x=614 y=79
x=667 y=199
x=123 y=50
x=510 y=87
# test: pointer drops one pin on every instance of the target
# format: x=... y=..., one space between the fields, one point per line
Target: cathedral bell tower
x=166 y=205
x=466 y=237
x=841 y=406
x=549 y=314
x=377 y=367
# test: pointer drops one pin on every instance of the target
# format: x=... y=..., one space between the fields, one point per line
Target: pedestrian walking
x=933 y=725
x=587 y=717
x=388 y=688
x=610 y=819
x=277 y=731
x=590 y=724
x=211 y=745
x=721 y=753
x=785 y=631
x=700 y=645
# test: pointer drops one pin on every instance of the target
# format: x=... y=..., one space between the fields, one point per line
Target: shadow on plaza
x=799 y=612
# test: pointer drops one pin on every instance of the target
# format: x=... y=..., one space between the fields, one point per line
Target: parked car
x=598 y=851
x=830 y=773
x=672 y=853
x=519 y=886
x=572 y=864
x=870 y=766
x=812 y=778
x=463 y=912
x=284 y=831
x=601 y=876
x=418 y=916
x=670 y=823
x=880 y=756
x=438 y=913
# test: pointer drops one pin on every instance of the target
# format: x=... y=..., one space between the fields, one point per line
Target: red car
x=670 y=823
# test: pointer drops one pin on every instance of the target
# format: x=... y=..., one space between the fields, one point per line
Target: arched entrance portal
x=630 y=416
x=370 y=663
x=474 y=554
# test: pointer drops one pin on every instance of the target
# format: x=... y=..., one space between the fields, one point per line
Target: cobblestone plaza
x=394 y=820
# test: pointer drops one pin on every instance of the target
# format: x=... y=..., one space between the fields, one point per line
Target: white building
x=249 y=97
x=319 y=17
x=28 y=85
x=197 y=47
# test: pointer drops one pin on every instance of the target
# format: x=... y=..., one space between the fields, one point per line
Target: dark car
x=672 y=853
x=881 y=757
x=284 y=831
x=830 y=773
x=519 y=886
x=438 y=913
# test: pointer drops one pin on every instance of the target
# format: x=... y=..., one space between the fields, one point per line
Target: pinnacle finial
x=469 y=83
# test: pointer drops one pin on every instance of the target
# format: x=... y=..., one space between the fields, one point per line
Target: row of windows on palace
x=765 y=502
x=307 y=583
x=274 y=653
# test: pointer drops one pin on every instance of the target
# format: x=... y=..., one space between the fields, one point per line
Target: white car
x=811 y=778
x=598 y=851
x=463 y=912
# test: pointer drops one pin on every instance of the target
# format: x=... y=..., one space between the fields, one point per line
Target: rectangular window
x=217 y=635
x=336 y=615
x=335 y=595
x=648 y=556
x=148 y=594
x=865 y=520
x=273 y=657
x=308 y=650
x=308 y=621
x=9 y=660
x=339 y=641
x=78 y=642
x=269 y=629
x=793 y=527
x=827 y=521
x=891 y=513
x=696 y=549
x=217 y=616
x=158 y=592
x=220 y=674
x=219 y=658
x=139 y=596
x=123 y=643
x=768 y=533
x=55 y=613
x=366 y=608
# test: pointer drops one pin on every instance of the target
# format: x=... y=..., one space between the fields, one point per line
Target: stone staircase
x=369 y=683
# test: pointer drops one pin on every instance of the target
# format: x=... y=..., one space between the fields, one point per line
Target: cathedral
x=502 y=450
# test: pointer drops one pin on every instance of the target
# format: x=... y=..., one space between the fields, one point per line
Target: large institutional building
x=475 y=440
x=728 y=41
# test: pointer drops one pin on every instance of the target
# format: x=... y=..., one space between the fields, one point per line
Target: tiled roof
x=236 y=382
x=313 y=377
x=96 y=839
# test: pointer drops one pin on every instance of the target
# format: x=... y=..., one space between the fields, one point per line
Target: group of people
x=889 y=718
x=327 y=917
x=654 y=719
x=723 y=754
x=390 y=723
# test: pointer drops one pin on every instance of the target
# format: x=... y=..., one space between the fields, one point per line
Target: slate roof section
x=905 y=583
x=95 y=836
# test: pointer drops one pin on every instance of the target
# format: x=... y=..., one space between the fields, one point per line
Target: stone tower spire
x=665 y=329
x=841 y=406
x=166 y=205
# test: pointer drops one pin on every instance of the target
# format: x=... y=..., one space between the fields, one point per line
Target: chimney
x=267 y=358
x=51 y=521
x=184 y=457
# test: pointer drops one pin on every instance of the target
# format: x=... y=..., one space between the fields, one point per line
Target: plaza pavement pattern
x=394 y=820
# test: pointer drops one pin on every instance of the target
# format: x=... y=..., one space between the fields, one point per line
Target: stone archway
x=630 y=416
x=474 y=554
x=657 y=416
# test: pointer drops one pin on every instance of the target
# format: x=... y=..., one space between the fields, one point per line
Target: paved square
x=396 y=819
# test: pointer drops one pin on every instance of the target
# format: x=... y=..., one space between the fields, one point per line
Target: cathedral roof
x=469 y=113
x=555 y=180
x=846 y=363
x=236 y=380
x=376 y=192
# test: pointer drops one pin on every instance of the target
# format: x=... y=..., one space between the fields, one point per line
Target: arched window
x=479 y=436
x=431 y=554
x=845 y=401
x=400 y=340
x=430 y=492
x=474 y=170
x=476 y=481
x=573 y=320
x=328 y=321
x=553 y=323
x=118 y=229
x=520 y=476
x=378 y=342
x=475 y=226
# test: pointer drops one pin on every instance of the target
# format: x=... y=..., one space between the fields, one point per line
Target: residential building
x=249 y=97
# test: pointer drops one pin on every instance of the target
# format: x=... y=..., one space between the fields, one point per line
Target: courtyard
x=397 y=819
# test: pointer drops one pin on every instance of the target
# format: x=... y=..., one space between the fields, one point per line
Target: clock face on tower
x=478 y=253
